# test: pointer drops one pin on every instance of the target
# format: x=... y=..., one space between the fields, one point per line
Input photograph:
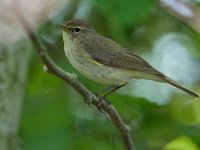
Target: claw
x=89 y=100
x=102 y=101
x=99 y=105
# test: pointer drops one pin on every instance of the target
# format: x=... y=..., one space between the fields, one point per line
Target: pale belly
x=99 y=73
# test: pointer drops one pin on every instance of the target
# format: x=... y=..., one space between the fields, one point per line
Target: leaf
x=181 y=143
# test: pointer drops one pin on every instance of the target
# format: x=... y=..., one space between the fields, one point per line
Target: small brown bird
x=105 y=61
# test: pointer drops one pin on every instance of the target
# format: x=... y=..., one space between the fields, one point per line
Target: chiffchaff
x=105 y=61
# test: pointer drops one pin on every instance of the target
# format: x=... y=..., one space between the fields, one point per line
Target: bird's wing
x=108 y=52
x=123 y=59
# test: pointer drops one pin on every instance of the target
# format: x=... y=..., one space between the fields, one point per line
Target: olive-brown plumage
x=105 y=61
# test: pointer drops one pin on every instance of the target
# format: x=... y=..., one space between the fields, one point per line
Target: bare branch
x=186 y=11
x=88 y=96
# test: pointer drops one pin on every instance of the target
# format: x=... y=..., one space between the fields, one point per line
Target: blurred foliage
x=182 y=143
x=54 y=115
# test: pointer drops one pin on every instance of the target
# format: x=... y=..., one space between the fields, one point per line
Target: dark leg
x=108 y=88
x=113 y=89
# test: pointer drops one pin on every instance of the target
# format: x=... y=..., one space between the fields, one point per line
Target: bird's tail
x=174 y=83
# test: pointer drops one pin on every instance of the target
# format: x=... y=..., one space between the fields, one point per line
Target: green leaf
x=181 y=143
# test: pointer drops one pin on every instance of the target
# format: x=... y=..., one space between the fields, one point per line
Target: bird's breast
x=82 y=62
x=71 y=51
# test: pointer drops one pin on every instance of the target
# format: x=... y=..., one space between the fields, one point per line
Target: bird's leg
x=108 y=88
x=102 y=100
x=113 y=89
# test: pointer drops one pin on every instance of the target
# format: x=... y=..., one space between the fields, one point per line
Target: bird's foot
x=89 y=100
x=103 y=102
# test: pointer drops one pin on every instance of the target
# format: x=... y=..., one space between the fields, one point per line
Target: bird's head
x=76 y=28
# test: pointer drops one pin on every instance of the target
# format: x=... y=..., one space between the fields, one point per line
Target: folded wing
x=124 y=60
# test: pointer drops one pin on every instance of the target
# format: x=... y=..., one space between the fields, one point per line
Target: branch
x=76 y=84
x=186 y=11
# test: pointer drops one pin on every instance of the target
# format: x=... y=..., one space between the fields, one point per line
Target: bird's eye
x=76 y=29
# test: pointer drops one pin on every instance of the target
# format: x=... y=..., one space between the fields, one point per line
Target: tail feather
x=174 y=83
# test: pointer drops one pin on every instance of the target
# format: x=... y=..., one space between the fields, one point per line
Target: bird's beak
x=64 y=28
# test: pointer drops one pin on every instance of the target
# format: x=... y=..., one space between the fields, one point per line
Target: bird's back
x=110 y=53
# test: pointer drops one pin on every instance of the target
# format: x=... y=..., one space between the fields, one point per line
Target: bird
x=105 y=61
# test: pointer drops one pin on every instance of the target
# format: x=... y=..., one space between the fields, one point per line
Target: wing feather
x=125 y=60
x=108 y=52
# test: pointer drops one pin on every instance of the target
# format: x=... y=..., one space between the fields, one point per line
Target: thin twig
x=77 y=85
x=186 y=11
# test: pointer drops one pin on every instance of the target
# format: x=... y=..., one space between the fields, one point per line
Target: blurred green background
x=54 y=116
